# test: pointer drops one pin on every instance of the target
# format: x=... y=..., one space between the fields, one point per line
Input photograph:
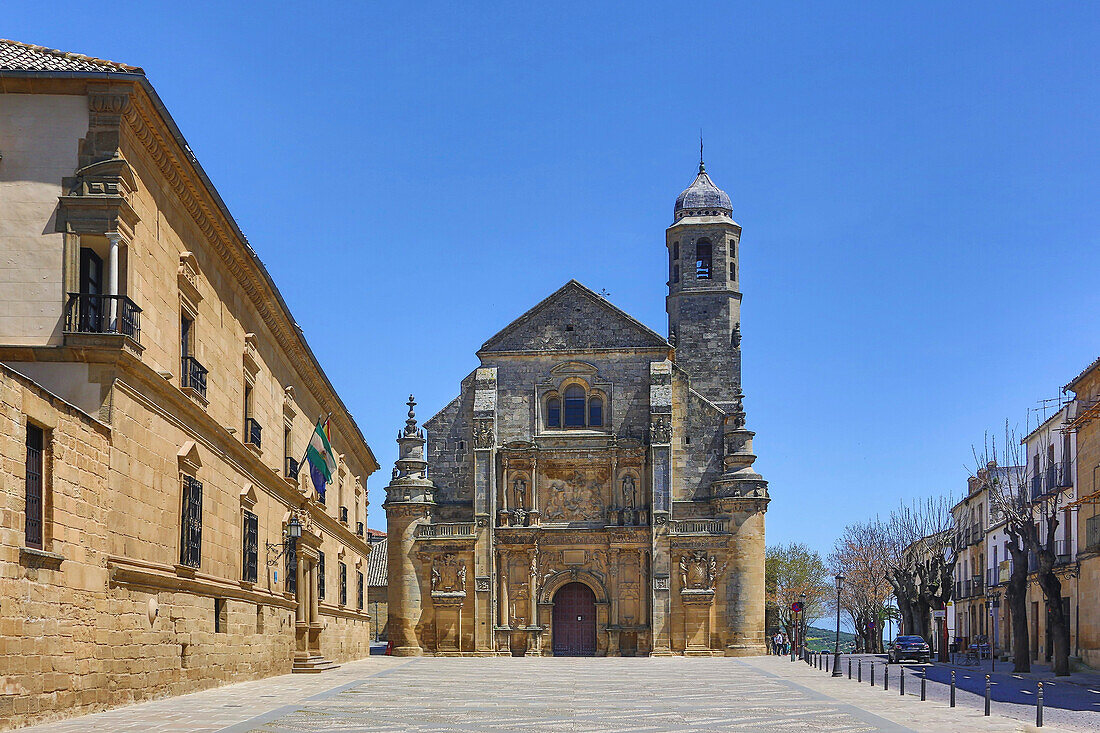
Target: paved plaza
x=570 y=694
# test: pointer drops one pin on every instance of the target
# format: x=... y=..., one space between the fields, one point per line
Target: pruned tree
x=921 y=561
x=792 y=573
x=1031 y=519
x=862 y=555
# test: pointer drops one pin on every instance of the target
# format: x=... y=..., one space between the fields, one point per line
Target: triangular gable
x=574 y=318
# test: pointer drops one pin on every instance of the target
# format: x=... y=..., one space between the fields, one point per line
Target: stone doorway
x=574 y=621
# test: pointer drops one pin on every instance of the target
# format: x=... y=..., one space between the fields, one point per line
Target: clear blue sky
x=917 y=185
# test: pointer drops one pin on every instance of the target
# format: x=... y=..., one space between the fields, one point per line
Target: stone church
x=590 y=490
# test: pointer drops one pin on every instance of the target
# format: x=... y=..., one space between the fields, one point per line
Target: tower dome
x=701 y=197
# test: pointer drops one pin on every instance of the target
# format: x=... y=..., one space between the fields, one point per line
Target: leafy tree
x=792 y=573
x=862 y=555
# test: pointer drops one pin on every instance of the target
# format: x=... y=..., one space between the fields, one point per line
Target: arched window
x=553 y=413
x=675 y=250
x=595 y=412
x=574 y=406
x=702 y=260
x=675 y=273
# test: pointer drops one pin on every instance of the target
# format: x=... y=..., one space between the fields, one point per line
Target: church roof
x=574 y=318
x=701 y=195
x=16 y=56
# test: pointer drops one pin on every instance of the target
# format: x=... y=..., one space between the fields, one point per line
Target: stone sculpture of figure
x=449 y=574
x=683 y=571
x=396 y=473
x=519 y=493
x=630 y=492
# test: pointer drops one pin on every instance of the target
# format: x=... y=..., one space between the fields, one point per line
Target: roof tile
x=16 y=56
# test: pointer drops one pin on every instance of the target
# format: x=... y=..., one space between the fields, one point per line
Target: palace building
x=156 y=534
x=590 y=491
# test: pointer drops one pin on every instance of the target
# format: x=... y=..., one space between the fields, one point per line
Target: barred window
x=291 y=565
x=321 y=576
x=343 y=584
x=33 y=486
x=251 y=546
x=191 y=526
x=702 y=260
x=359 y=589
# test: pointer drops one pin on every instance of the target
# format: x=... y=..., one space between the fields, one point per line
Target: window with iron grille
x=251 y=546
x=33 y=533
x=191 y=530
x=291 y=556
x=321 y=576
x=359 y=589
x=343 y=584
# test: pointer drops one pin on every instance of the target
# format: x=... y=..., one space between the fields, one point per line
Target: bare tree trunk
x=1016 y=595
x=1056 y=618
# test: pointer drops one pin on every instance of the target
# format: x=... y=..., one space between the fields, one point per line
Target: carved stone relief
x=576 y=498
x=698 y=570
x=448 y=574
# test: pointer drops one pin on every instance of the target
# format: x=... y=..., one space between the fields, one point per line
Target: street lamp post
x=836 y=643
x=994 y=604
x=802 y=626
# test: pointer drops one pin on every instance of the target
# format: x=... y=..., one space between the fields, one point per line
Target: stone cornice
x=146 y=574
x=144 y=118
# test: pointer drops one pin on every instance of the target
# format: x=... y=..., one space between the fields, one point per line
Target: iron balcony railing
x=90 y=313
x=965 y=592
x=359 y=528
x=193 y=375
x=976 y=534
x=344 y=514
x=291 y=468
x=978 y=586
x=992 y=577
x=1036 y=488
x=1064 y=477
x=1032 y=562
x=252 y=431
x=1061 y=551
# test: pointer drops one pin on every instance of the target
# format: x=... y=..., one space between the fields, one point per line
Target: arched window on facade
x=675 y=250
x=574 y=406
x=595 y=412
x=702 y=260
x=553 y=413
x=675 y=273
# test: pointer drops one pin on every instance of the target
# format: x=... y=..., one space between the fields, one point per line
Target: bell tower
x=704 y=299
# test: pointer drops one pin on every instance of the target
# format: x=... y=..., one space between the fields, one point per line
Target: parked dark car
x=912 y=648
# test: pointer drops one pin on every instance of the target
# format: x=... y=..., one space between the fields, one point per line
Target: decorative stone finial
x=410 y=424
x=702 y=168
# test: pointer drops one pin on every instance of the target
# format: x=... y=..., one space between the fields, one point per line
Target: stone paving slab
x=502 y=695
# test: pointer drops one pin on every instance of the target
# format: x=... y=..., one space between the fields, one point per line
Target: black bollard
x=987 y=695
x=923 y=680
x=872 y=674
x=859 y=670
x=901 y=682
x=952 y=688
x=828 y=661
x=849 y=668
x=1039 y=707
x=886 y=677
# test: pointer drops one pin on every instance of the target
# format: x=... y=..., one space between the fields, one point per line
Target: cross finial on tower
x=702 y=168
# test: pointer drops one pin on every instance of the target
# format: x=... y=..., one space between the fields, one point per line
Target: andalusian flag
x=322 y=460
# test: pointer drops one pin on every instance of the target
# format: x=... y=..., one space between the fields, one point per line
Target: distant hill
x=824 y=639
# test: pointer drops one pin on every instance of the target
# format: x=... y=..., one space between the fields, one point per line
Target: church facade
x=590 y=491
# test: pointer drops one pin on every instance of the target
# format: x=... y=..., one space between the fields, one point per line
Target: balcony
x=965 y=589
x=976 y=533
x=977 y=586
x=193 y=376
x=456 y=529
x=958 y=589
x=1061 y=552
x=1036 y=488
x=344 y=514
x=90 y=313
x=1064 y=479
x=992 y=577
x=252 y=432
x=291 y=468
x=359 y=528
x=1032 y=562
x=697 y=526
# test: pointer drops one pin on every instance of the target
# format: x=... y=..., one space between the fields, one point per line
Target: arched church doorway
x=574 y=621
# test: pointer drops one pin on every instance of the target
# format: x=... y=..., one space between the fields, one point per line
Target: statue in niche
x=449 y=574
x=698 y=571
x=519 y=492
x=630 y=492
x=736 y=337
